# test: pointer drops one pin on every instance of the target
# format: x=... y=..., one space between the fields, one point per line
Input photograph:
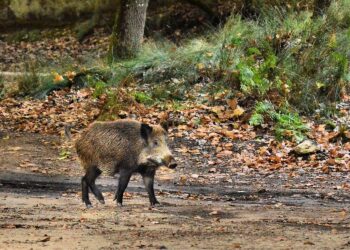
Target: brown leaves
x=218 y=127
x=233 y=134
x=232 y=103
x=325 y=169
x=225 y=114
x=58 y=78
x=238 y=111
x=54 y=46
x=50 y=116
x=70 y=75
x=216 y=137
x=224 y=153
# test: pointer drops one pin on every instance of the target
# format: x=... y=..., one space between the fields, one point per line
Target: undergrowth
x=304 y=58
x=287 y=124
x=283 y=57
x=288 y=62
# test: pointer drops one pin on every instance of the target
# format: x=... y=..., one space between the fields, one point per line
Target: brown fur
x=109 y=144
x=110 y=147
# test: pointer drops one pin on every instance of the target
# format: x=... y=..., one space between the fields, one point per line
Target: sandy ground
x=41 y=207
x=59 y=221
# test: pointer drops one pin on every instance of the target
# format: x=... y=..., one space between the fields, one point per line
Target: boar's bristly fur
x=124 y=147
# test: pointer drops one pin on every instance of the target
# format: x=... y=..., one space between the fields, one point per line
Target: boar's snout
x=170 y=162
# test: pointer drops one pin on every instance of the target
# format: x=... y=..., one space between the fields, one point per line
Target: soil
x=41 y=207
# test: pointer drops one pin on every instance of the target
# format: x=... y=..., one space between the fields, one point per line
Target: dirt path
x=40 y=207
x=57 y=220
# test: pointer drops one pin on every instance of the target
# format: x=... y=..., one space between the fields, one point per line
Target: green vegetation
x=24 y=35
x=287 y=124
x=142 y=97
x=289 y=62
x=305 y=59
x=30 y=81
x=22 y=9
x=292 y=58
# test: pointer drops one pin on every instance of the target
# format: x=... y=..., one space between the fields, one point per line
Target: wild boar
x=124 y=147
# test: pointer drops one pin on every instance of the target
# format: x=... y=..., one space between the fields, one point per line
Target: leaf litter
x=213 y=142
x=216 y=140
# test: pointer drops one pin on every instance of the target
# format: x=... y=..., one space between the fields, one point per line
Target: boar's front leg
x=148 y=180
x=124 y=178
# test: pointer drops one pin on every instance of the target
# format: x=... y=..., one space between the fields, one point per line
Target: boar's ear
x=146 y=130
x=165 y=125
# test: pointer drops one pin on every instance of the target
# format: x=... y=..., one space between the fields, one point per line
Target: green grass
x=30 y=81
x=292 y=58
x=142 y=97
x=24 y=35
x=305 y=59
x=302 y=58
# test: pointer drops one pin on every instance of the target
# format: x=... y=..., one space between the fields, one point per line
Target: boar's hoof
x=102 y=201
x=119 y=204
x=88 y=206
x=156 y=204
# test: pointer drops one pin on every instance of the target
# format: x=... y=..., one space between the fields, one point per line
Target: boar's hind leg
x=124 y=178
x=91 y=178
x=148 y=180
x=88 y=181
x=85 y=192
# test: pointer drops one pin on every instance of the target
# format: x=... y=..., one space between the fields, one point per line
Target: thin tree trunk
x=129 y=28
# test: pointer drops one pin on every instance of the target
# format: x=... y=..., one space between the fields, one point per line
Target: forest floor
x=236 y=186
x=40 y=207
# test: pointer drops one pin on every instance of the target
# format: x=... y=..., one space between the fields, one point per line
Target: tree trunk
x=129 y=28
x=321 y=6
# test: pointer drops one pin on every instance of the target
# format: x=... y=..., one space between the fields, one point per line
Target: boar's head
x=156 y=152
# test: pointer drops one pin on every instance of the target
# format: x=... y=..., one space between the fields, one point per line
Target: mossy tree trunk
x=129 y=28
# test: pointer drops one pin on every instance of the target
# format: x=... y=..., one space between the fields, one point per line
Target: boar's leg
x=91 y=178
x=148 y=180
x=88 y=181
x=85 y=192
x=124 y=178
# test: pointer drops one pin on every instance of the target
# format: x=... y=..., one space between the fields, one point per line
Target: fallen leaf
x=224 y=153
x=215 y=212
x=232 y=103
x=238 y=111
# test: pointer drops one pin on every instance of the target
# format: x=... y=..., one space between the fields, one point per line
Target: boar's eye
x=155 y=143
